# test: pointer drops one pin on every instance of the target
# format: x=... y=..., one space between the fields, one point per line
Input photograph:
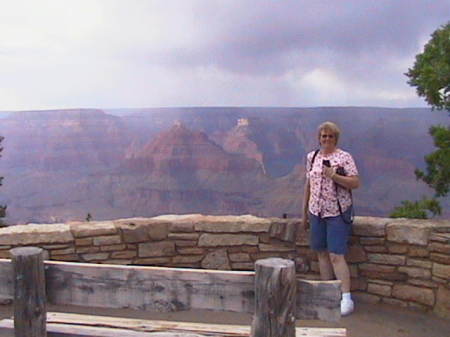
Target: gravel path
x=368 y=320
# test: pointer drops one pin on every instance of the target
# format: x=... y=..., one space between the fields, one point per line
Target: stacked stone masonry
x=396 y=261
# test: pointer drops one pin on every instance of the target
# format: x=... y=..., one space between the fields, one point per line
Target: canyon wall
x=396 y=261
x=60 y=165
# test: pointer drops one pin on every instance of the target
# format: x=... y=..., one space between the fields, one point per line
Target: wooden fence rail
x=159 y=289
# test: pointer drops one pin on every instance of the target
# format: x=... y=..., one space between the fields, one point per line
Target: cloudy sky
x=151 y=53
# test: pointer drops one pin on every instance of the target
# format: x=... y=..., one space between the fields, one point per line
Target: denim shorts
x=330 y=233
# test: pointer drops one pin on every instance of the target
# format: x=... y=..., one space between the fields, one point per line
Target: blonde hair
x=330 y=126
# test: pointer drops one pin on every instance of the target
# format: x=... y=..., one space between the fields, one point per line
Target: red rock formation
x=180 y=149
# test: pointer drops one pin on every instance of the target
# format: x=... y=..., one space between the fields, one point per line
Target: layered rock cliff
x=60 y=165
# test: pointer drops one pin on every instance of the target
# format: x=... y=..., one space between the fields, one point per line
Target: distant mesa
x=239 y=140
x=71 y=139
x=181 y=149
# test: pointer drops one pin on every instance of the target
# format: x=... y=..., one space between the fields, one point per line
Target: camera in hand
x=339 y=170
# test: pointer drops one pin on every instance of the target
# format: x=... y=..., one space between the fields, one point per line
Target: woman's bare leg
x=341 y=271
x=325 y=266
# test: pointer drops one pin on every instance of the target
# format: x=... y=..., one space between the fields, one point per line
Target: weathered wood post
x=30 y=312
x=275 y=297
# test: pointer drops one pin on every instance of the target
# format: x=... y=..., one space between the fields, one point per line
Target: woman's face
x=327 y=140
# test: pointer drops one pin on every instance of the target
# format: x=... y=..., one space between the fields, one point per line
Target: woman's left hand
x=328 y=171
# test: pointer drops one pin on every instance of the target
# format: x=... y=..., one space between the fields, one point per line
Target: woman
x=327 y=205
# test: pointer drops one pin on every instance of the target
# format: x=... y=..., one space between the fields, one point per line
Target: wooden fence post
x=275 y=297
x=30 y=312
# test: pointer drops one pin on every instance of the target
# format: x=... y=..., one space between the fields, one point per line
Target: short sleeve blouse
x=322 y=200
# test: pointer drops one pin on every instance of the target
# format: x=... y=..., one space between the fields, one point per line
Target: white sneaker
x=347 y=307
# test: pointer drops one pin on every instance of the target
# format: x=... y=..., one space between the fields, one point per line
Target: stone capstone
x=409 y=231
x=35 y=234
x=84 y=229
x=182 y=227
x=232 y=224
x=369 y=226
x=143 y=229
x=134 y=233
x=158 y=230
x=216 y=260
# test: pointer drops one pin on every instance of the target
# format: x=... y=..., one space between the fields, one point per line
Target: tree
x=437 y=174
x=417 y=209
x=2 y=207
x=431 y=71
x=431 y=77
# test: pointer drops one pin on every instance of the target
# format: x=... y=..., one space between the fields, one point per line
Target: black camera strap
x=313 y=158
x=352 y=215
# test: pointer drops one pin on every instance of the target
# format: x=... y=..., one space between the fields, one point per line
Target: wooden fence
x=32 y=283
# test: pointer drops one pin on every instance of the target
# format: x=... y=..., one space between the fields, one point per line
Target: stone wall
x=397 y=261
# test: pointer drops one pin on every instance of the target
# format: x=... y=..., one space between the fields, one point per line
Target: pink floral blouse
x=322 y=199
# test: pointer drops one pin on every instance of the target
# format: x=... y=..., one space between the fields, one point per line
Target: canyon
x=60 y=165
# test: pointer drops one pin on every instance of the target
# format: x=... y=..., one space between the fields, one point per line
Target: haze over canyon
x=60 y=165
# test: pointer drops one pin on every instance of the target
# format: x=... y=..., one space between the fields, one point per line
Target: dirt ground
x=368 y=320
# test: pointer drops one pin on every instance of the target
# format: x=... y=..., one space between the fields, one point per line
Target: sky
x=57 y=54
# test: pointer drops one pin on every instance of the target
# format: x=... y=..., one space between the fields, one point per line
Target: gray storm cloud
x=272 y=36
x=211 y=52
